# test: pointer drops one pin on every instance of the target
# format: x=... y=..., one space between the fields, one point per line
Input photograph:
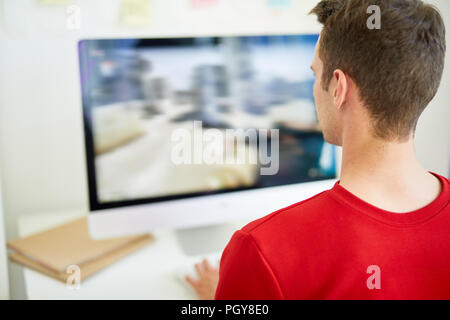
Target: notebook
x=51 y=252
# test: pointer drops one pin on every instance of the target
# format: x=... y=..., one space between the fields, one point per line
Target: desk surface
x=145 y=274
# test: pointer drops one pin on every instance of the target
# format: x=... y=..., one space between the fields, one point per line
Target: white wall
x=41 y=139
x=433 y=130
x=4 y=287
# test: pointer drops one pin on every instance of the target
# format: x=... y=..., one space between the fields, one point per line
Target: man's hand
x=205 y=286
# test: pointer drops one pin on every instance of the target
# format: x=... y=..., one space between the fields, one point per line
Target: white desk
x=145 y=274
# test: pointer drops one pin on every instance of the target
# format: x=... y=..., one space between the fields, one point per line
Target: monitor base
x=206 y=239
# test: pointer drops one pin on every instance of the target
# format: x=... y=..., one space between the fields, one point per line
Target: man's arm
x=245 y=273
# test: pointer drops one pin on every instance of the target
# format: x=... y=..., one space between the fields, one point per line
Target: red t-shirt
x=337 y=246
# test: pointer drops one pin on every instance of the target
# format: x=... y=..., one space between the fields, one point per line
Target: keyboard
x=187 y=267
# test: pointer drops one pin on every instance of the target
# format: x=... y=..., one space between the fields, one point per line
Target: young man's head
x=380 y=77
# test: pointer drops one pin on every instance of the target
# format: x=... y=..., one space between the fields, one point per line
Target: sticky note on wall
x=281 y=4
x=198 y=4
x=135 y=13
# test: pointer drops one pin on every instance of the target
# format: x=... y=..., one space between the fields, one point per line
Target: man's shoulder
x=301 y=212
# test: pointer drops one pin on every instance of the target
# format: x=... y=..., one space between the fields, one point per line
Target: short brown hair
x=397 y=68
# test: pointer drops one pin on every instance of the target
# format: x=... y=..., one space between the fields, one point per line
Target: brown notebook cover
x=87 y=269
x=52 y=251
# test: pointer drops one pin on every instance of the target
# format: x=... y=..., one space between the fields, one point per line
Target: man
x=383 y=231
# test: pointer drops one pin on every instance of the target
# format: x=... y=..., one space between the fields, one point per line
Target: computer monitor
x=148 y=105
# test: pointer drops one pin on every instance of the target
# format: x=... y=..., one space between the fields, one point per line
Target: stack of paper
x=54 y=252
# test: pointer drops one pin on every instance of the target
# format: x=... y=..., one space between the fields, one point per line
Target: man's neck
x=386 y=174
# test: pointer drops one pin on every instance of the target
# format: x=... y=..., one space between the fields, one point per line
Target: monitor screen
x=184 y=117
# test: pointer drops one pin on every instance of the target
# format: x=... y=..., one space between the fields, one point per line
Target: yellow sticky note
x=135 y=12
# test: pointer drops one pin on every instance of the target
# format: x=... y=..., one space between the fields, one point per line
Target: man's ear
x=341 y=89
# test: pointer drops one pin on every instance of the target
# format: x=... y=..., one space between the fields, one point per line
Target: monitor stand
x=206 y=239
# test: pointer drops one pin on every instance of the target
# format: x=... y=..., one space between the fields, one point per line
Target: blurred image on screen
x=138 y=91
